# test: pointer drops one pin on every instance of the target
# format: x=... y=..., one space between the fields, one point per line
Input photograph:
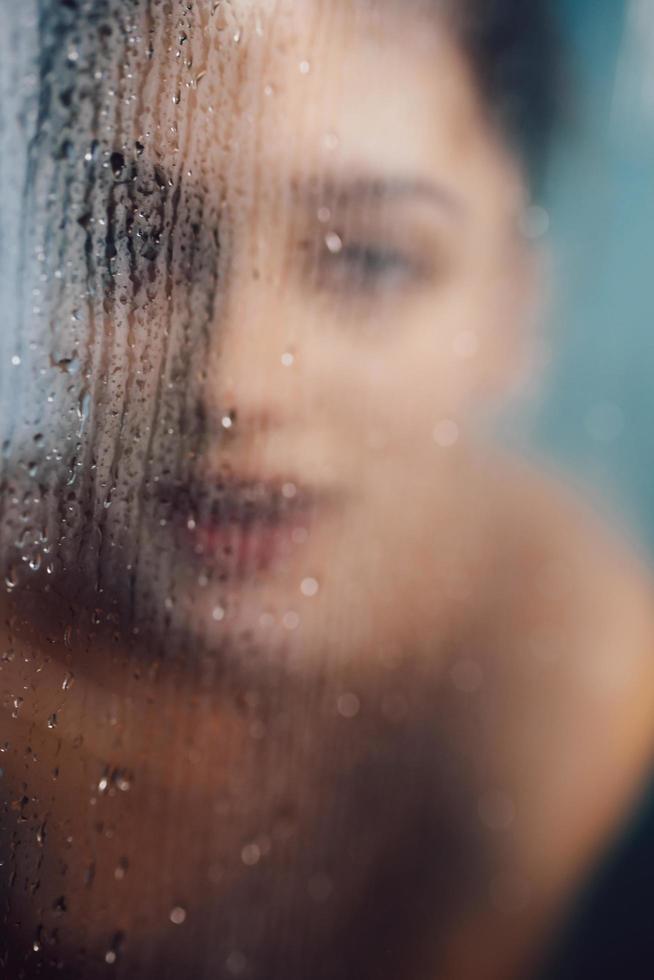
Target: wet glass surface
x=308 y=648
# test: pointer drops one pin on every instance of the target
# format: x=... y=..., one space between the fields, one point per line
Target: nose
x=254 y=384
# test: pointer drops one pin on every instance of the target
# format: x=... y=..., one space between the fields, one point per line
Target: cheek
x=396 y=383
x=468 y=344
x=427 y=369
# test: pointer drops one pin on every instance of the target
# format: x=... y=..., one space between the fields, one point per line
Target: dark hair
x=515 y=49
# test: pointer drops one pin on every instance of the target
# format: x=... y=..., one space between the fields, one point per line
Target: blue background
x=601 y=200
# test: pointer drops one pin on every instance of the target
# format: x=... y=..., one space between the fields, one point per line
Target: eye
x=368 y=267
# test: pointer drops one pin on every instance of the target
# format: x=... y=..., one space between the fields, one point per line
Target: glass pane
x=325 y=484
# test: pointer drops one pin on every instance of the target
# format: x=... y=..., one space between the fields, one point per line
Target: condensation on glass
x=292 y=653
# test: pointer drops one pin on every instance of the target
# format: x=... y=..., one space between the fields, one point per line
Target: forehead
x=319 y=84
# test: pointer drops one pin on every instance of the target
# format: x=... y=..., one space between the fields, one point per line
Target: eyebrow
x=347 y=190
x=364 y=188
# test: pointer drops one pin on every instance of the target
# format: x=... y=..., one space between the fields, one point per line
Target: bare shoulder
x=574 y=656
x=564 y=713
x=564 y=716
x=569 y=554
x=577 y=604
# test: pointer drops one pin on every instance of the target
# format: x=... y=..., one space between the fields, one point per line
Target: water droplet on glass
x=35 y=562
x=446 y=434
x=121 y=869
x=123 y=781
x=117 y=163
x=309 y=587
x=334 y=243
x=177 y=915
x=251 y=855
x=330 y=141
x=535 y=222
x=348 y=705
x=291 y=620
x=59 y=905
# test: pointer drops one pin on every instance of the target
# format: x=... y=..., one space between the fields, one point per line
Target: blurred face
x=315 y=276
x=363 y=219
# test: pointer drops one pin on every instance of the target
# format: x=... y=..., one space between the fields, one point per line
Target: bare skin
x=407 y=711
x=543 y=786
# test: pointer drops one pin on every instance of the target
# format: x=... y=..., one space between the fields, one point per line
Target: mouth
x=240 y=527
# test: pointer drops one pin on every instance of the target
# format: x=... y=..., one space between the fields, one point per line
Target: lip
x=241 y=526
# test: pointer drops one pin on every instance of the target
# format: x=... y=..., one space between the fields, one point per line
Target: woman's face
x=363 y=219
x=310 y=287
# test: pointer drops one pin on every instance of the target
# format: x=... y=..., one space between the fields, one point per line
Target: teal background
x=601 y=201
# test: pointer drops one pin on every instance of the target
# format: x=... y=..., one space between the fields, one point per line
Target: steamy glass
x=304 y=672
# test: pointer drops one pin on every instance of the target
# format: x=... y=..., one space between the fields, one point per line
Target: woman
x=303 y=677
